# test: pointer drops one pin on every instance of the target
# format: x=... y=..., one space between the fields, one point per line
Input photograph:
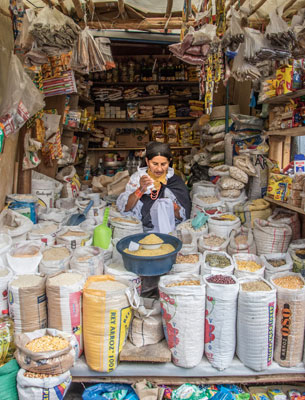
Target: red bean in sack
x=194 y=50
x=187 y=42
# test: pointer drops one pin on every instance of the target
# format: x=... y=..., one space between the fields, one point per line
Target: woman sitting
x=148 y=188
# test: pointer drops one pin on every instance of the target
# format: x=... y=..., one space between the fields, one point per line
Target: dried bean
x=289 y=282
x=221 y=279
x=255 y=286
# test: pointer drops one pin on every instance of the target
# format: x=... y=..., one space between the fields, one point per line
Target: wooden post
x=169 y=8
x=78 y=9
x=286 y=151
x=24 y=177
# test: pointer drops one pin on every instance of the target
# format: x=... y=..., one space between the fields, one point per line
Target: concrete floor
x=75 y=392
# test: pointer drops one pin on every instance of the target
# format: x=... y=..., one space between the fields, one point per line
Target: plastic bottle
x=7 y=346
x=87 y=169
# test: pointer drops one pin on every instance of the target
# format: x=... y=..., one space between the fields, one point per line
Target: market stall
x=153 y=198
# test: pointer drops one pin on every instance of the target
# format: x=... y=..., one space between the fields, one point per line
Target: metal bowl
x=149 y=266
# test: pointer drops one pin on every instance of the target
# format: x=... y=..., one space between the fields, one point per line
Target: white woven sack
x=203 y=246
x=186 y=228
x=231 y=203
x=116 y=255
x=270 y=237
x=5 y=245
x=290 y=321
x=122 y=229
x=15 y=225
x=220 y=323
x=189 y=241
x=249 y=247
x=48 y=239
x=255 y=326
x=194 y=268
x=57 y=215
x=51 y=267
x=203 y=188
x=248 y=257
x=295 y=245
x=88 y=260
x=20 y=260
x=207 y=270
x=146 y=325
x=117 y=269
x=39 y=388
x=65 y=307
x=73 y=241
x=183 y=310
x=5 y=276
x=223 y=228
x=270 y=270
x=291 y=219
x=96 y=212
x=200 y=206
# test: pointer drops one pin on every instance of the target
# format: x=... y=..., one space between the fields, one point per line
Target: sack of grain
x=298 y=244
x=206 y=204
x=288 y=217
x=40 y=358
x=106 y=315
x=185 y=228
x=27 y=302
x=189 y=241
x=187 y=262
x=248 y=265
x=123 y=227
x=223 y=224
x=275 y=263
x=55 y=215
x=39 y=386
x=55 y=259
x=290 y=318
x=251 y=210
x=258 y=184
x=217 y=262
x=231 y=197
x=298 y=260
x=44 y=231
x=88 y=260
x=5 y=245
x=117 y=269
x=182 y=299
x=96 y=212
x=146 y=325
x=212 y=242
x=116 y=255
x=15 y=225
x=5 y=276
x=203 y=188
x=24 y=258
x=255 y=323
x=241 y=241
x=270 y=237
x=220 y=319
x=73 y=237
x=64 y=294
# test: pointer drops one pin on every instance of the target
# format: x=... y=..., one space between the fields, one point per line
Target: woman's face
x=158 y=165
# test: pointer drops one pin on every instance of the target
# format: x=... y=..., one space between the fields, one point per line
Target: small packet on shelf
x=276 y=394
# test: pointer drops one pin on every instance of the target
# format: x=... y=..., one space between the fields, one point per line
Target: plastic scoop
x=77 y=219
x=102 y=234
x=200 y=220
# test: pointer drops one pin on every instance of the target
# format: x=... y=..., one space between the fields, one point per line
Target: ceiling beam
x=145 y=25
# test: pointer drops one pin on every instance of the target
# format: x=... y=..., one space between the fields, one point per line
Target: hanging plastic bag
x=278 y=31
x=162 y=216
x=111 y=390
x=21 y=98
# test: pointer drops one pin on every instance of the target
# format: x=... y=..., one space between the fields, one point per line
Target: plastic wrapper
x=226 y=182
x=205 y=35
x=257 y=47
x=278 y=31
x=234 y=35
x=21 y=98
x=244 y=163
x=239 y=175
x=243 y=70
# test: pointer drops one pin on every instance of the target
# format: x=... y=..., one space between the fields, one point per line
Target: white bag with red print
x=220 y=322
x=183 y=309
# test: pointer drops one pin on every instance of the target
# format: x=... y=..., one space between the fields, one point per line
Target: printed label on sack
x=271 y=313
x=75 y=313
x=46 y=394
x=285 y=330
x=125 y=322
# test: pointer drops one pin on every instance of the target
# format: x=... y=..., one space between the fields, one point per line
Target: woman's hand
x=145 y=181
x=177 y=211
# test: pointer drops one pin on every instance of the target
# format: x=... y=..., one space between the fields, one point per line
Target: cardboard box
x=130 y=140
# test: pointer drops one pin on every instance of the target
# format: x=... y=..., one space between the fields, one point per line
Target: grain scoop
x=77 y=219
x=102 y=234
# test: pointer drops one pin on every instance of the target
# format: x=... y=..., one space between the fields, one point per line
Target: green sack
x=8 y=385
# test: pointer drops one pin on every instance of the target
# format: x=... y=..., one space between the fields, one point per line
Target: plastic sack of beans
x=217 y=263
x=187 y=262
x=248 y=265
x=290 y=318
x=242 y=241
x=212 y=242
x=220 y=319
x=255 y=323
x=182 y=299
x=275 y=263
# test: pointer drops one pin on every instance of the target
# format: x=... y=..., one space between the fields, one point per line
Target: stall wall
x=8 y=156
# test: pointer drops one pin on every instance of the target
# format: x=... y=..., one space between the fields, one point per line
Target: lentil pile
x=161 y=251
x=184 y=283
x=221 y=279
x=255 y=286
x=217 y=260
x=209 y=199
x=277 y=263
x=151 y=239
x=241 y=238
x=289 y=282
x=250 y=266
x=213 y=240
x=187 y=259
x=224 y=217
x=47 y=343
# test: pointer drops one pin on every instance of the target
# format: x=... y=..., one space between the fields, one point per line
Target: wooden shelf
x=123 y=120
x=299 y=131
x=77 y=130
x=135 y=148
x=146 y=83
x=285 y=98
x=85 y=100
x=145 y=98
x=285 y=205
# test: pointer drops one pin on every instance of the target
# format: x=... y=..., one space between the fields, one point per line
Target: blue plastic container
x=149 y=266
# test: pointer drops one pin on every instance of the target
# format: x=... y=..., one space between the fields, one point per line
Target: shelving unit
x=109 y=149
x=285 y=205
x=285 y=98
x=122 y=120
x=291 y=132
x=146 y=83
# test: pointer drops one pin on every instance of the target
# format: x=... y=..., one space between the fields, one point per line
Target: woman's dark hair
x=154 y=149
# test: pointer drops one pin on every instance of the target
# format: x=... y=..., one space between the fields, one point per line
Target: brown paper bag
x=145 y=392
